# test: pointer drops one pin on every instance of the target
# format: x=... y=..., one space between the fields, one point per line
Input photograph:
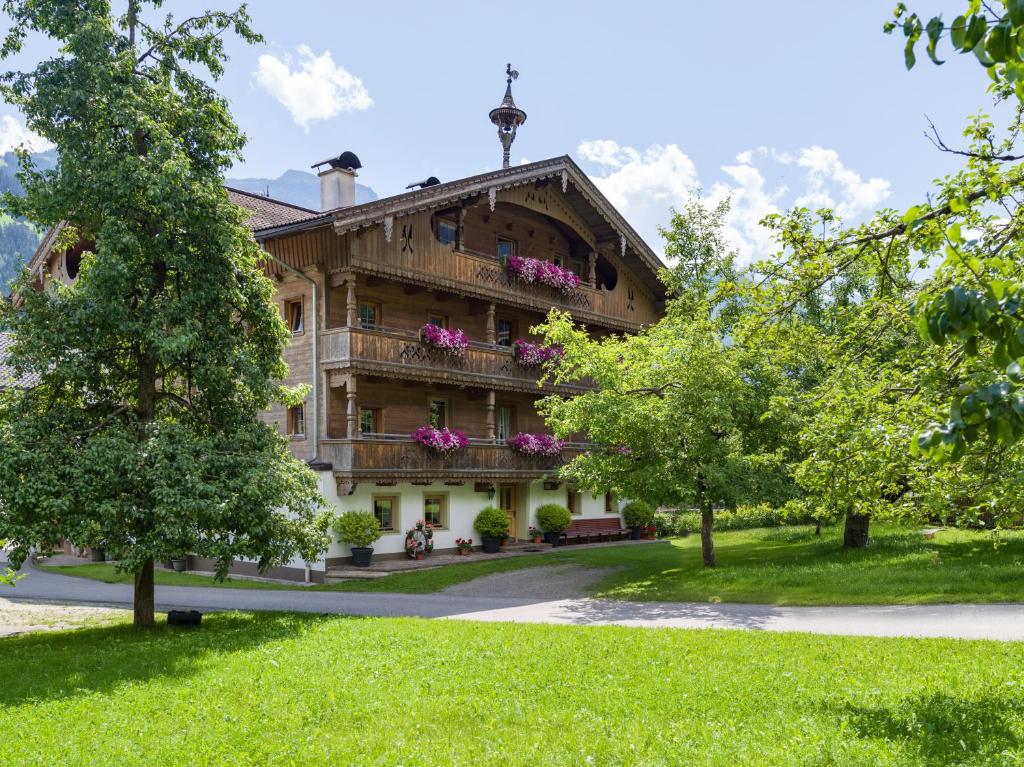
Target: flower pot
x=491 y=545
x=97 y=555
x=636 y=533
x=420 y=555
x=179 y=565
x=361 y=556
x=537 y=539
x=504 y=542
x=553 y=538
x=652 y=533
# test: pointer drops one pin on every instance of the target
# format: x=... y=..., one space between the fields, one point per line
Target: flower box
x=531 y=355
x=452 y=342
x=535 y=444
x=533 y=270
x=443 y=441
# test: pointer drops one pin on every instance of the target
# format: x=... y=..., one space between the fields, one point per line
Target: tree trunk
x=145 y=600
x=855 y=533
x=817 y=527
x=707 y=541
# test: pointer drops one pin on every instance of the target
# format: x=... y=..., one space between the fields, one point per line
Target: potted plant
x=358 y=529
x=443 y=441
x=419 y=541
x=179 y=564
x=535 y=534
x=638 y=516
x=553 y=519
x=492 y=524
x=465 y=545
x=535 y=444
x=652 y=532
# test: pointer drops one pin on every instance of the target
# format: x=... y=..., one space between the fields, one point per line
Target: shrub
x=357 y=528
x=638 y=514
x=553 y=518
x=665 y=524
x=491 y=523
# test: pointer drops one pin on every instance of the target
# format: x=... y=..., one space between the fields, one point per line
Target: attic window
x=447 y=231
x=607 y=276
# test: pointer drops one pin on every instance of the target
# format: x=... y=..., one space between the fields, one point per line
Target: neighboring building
x=8 y=378
x=357 y=283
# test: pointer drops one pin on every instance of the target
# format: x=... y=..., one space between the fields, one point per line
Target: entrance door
x=507 y=503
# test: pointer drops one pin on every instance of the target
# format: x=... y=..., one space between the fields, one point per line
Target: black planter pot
x=97 y=555
x=552 y=538
x=179 y=565
x=636 y=533
x=491 y=545
x=361 y=556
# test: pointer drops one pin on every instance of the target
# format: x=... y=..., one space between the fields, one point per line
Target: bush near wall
x=743 y=517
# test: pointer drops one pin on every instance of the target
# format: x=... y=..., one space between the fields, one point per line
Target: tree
x=142 y=437
x=671 y=414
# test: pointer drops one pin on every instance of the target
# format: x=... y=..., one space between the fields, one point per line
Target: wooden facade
x=383 y=270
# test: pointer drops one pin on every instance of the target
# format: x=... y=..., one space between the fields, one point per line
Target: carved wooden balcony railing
x=393 y=353
x=388 y=456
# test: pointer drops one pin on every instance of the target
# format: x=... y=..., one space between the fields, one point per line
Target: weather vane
x=507 y=116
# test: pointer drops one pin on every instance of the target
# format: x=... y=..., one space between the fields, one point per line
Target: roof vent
x=432 y=181
x=338 y=181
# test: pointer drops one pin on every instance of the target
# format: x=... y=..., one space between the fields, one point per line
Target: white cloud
x=317 y=89
x=13 y=133
x=644 y=185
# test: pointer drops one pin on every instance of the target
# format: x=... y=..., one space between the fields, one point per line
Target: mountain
x=298 y=187
x=19 y=240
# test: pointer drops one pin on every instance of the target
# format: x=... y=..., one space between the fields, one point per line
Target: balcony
x=394 y=456
x=395 y=353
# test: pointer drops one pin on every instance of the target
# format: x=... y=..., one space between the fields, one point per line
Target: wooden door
x=507 y=503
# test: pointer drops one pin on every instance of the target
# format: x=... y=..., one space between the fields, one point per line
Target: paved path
x=996 y=621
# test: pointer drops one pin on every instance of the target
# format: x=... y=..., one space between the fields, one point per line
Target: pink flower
x=440 y=440
x=531 y=355
x=535 y=444
x=532 y=270
x=453 y=342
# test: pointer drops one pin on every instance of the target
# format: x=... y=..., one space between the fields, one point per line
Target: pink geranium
x=534 y=270
x=535 y=444
x=443 y=441
x=453 y=342
x=531 y=355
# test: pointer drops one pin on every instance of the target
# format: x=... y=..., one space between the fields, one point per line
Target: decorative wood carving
x=389 y=227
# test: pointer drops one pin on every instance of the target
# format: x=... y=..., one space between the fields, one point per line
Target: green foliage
x=357 y=528
x=491 y=522
x=553 y=518
x=786 y=698
x=146 y=439
x=638 y=514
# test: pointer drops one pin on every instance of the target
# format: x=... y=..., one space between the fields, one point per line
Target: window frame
x=447 y=411
x=499 y=239
x=396 y=524
x=511 y=408
x=442 y=319
x=443 y=497
x=378 y=418
x=611 y=504
x=294 y=415
x=290 y=305
x=453 y=223
x=574 y=502
x=378 y=309
x=513 y=331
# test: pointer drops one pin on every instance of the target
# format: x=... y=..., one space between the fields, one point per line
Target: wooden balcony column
x=592 y=273
x=490 y=415
x=491 y=333
x=351 y=411
x=351 y=306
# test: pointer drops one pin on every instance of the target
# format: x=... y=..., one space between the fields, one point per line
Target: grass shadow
x=944 y=729
x=48 y=666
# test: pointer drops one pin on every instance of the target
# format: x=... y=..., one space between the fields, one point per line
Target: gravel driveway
x=551 y=582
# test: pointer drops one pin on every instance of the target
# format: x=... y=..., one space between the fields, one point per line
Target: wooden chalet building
x=358 y=283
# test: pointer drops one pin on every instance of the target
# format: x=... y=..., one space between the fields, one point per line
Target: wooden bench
x=587 y=530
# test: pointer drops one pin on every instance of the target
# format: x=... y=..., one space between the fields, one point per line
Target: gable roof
x=267 y=212
x=8 y=380
x=607 y=224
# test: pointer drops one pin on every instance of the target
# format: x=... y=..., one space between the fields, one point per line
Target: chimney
x=338 y=181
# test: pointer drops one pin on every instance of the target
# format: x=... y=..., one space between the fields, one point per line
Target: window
x=435 y=510
x=437 y=413
x=293 y=314
x=297 y=421
x=611 y=504
x=441 y=320
x=369 y=420
x=369 y=315
x=505 y=419
x=506 y=248
x=385 y=509
x=574 y=502
x=506 y=331
x=447 y=231
x=576 y=265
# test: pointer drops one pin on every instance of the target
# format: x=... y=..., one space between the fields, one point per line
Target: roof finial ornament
x=507 y=116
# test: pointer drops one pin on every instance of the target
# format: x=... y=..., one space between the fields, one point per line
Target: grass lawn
x=786 y=566
x=298 y=690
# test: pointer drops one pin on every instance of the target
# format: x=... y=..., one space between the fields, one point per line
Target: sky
x=800 y=102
